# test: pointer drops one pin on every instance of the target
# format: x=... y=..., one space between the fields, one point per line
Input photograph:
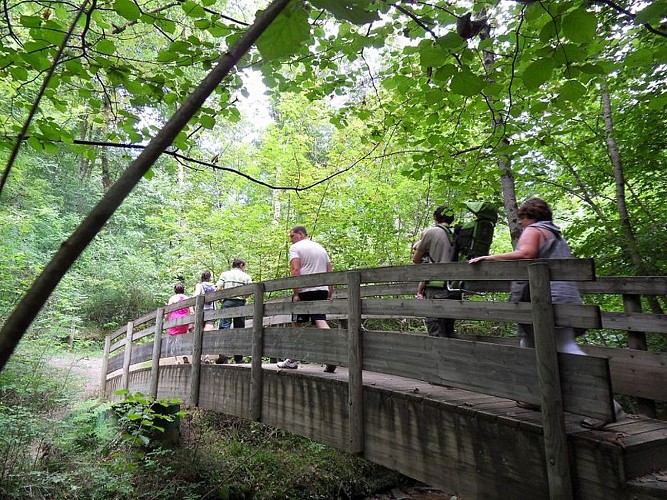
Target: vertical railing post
x=125 y=381
x=637 y=340
x=553 y=422
x=105 y=368
x=195 y=366
x=355 y=363
x=157 y=351
x=256 y=374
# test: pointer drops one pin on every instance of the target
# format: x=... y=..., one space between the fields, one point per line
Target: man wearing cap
x=436 y=246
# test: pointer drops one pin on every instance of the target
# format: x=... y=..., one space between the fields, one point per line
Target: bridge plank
x=503 y=371
x=571 y=315
x=560 y=269
x=631 y=367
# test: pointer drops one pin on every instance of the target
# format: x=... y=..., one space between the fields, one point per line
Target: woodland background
x=353 y=118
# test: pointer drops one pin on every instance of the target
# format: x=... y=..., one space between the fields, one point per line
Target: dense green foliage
x=51 y=448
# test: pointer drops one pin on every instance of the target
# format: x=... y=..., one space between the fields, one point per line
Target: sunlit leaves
x=106 y=46
x=466 y=83
x=285 y=35
x=538 y=72
x=652 y=13
x=355 y=11
x=580 y=26
x=127 y=9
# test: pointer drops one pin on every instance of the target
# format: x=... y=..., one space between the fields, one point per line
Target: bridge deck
x=468 y=443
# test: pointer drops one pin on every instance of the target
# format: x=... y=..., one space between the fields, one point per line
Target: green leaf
x=572 y=91
x=30 y=21
x=445 y=73
x=285 y=35
x=548 y=32
x=19 y=73
x=466 y=83
x=538 y=72
x=355 y=11
x=106 y=46
x=36 y=60
x=127 y=9
x=652 y=14
x=451 y=41
x=193 y=9
x=580 y=26
x=207 y=121
x=430 y=54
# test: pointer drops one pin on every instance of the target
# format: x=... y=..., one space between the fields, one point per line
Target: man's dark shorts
x=307 y=297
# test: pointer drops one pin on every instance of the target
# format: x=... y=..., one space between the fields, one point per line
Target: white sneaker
x=288 y=363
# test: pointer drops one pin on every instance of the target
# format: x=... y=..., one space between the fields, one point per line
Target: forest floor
x=88 y=369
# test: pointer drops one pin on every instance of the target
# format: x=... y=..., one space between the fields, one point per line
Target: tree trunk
x=507 y=183
x=630 y=242
x=30 y=305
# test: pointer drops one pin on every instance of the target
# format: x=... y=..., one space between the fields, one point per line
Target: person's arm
x=420 y=290
x=295 y=270
x=417 y=257
x=527 y=248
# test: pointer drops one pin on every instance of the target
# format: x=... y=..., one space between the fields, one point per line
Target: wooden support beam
x=105 y=368
x=256 y=374
x=637 y=340
x=157 y=351
x=555 y=437
x=128 y=356
x=195 y=366
x=355 y=362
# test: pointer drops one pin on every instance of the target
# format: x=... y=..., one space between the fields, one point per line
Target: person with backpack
x=437 y=246
x=236 y=276
x=202 y=288
x=540 y=239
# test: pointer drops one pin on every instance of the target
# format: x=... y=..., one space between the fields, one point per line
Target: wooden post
x=195 y=365
x=256 y=374
x=637 y=340
x=157 y=351
x=355 y=362
x=553 y=422
x=105 y=368
x=125 y=381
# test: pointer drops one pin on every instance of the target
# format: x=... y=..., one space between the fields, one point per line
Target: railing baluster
x=157 y=351
x=637 y=340
x=256 y=374
x=195 y=366
x=105 y=368
x=555 y=437
x=355 y=362
x=125 y=381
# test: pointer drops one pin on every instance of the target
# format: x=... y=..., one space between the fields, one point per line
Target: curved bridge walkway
x=440 y=410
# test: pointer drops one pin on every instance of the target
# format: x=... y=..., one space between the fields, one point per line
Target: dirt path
x=86 y=369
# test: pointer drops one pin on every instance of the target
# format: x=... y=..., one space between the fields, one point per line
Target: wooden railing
x=557 y=382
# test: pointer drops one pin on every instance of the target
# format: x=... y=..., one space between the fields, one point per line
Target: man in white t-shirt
x=236 y=276
x=307 y=257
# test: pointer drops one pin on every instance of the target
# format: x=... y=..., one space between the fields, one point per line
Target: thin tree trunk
x=507 y=183
x=25 y=312
x=630 y=242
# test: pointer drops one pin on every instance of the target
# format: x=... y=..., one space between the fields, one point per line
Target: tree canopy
x=375 y=112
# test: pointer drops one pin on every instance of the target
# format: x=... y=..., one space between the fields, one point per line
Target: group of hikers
x=540 y=238
x=305 y=257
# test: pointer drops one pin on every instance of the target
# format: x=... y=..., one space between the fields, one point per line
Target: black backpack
x=473 y=238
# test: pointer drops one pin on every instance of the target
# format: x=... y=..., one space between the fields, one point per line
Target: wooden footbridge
x=442 y=411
